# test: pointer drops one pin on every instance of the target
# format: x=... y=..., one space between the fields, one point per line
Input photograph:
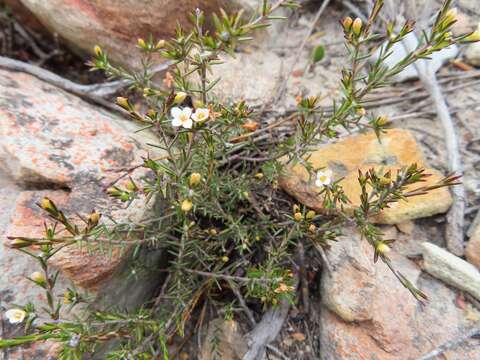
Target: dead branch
x=266 y=331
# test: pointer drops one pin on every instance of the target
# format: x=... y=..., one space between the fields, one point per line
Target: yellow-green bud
x=141 y=43
x=131 y=186
x=98 y=50
x=361 y=111
x=38 y=277
x=225 y=259
x=298 y=216
x=347 y=23
x=186 y=205
x=385 y=181
x=475 y=36
x=19 y=243
x=312 y=228
x=46 y=204
x=213 y=232
x=382 y=248
x=179 y=97
x=195 y=179
x=123 y=102
x=357 y=26
x=382 y=120
x=160 y=44
x=67 y=299
x=451 y=15
x=259 y=176
x=310 y=214
x=94 y=218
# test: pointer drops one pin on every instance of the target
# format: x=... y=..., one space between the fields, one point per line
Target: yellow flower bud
x=141 y=43
x=259 y=176
x=382 y=120
x=225 y=259
x=382 y=248
x=46 y=204
x=160 y=44
x=357 y=26
x=385 y=181
x=38 y=277
x=94 y=218
x=213 y=232
x=98 y=50
x=347 y=23
x=198 y=104
x=312 y=228
x=310 y=214
x=66 y=298
x=19 y=243
x=123 y=102
x=179 y=97
x=186 y=205
x=274 y=301
x=451 y=15
x=131 y=186
x=298 y=216
x=195 y=179
x=361 y=111
x=296 y=208
x=473 y=37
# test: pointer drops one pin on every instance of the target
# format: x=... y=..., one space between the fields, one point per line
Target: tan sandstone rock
x=368 y=314
x=472 y=251
x=397 y=148
x=115 y=25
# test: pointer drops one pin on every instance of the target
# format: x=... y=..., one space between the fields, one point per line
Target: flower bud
x=186 y=205
x=296 y=208
x=361 y=111
x=195 y=179
x=98 y=50
x=19 y=243
x=179 y=97
x=473 y=37
x=382 y=120
x=382 y=248
x=160 y=44
x=225 y=259
x=46 y=204
x=357 y=26
x=67 y=298
x=298 y=216
x=385 y=180
x=451 y=15
x=310 y=215
x=347 y=23
x=131 y=186
x=38 y=277
x=94 y=218
x=141 y=43
x=213 y=232
x=123 y=102
x=259 y=176
x=312 y=228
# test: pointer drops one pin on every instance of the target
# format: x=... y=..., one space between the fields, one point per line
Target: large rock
x=368 y=314
x=472 y=252
x=397 y=148
x=51 y=139
x=117 y=24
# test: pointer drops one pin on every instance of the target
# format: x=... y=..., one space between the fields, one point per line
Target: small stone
x=406 y=227
x=451 y=269
x=397 y=149
x=472 y=54
x=472 y=251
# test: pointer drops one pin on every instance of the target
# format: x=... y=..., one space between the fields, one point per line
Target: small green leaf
x=318 y=53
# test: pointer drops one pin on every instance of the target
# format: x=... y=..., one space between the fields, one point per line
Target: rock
x=399 y=52
x=451 y=269
x=116 y=25
x=384 y=320
x=231 y=344
x=472 y=252
x=49 y=138
x=472 y=54
x=397 y=148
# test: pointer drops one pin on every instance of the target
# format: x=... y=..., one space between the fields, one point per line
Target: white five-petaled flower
x=324 y=177
x=201 y=114
x=182 y=117
x=15 y=316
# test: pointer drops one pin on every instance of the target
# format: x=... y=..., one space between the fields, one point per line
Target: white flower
x=15 y=316
x=201 y=115
x=324 y=177
x=181 y=117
